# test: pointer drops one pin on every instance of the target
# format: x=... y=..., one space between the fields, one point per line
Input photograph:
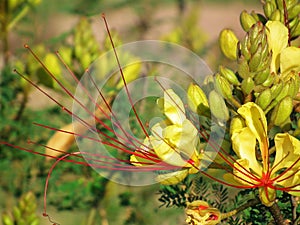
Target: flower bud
x=199 y=212
x=247 y=20
x=269 y=8
x=294 y=11
x=275 y=15
x=247 y=85
x=223 y=86
x=261 y=77
x=7 y=220
x=228 y=44
x=229 y=75
x=264 y=99
x=282 y=111
x=218 y=106
x=197 y=100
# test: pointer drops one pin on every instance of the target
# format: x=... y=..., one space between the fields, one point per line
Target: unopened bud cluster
x=24 y=213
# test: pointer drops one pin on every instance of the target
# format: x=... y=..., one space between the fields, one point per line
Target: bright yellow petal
x=242 y=173
x=287 y=151
x=163 y=143
x=277 y=35
x=173 y=107
x=172 y=178
x=256 y=121
x=291 y=179
x=289 y=60
x=188 y=139
x=141 y=161
x=243 y=143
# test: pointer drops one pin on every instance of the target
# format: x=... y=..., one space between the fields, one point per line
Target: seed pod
x=228 y=44
x=218 y=106
x=282 y=111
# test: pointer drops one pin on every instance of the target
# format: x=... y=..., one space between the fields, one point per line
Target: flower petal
x=243 y=143
x=164 y=144
x=173 y=107
x=257 y=123
x=172 y=178
x=289 y=60
x=287 y=151
x=277 y=35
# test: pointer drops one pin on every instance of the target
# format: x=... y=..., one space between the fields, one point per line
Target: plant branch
x=240 y=208
x=276 y=213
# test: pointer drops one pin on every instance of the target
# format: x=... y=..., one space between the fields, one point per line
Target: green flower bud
x=293 y=12
x=237 y=123
x=260 y=78
x=276 y=89
x=247 y=20
x=85 y=60
x=229 y=75
x=228 y=44
x=12 y=4
x=197 y=100
x=276 y=15
x=264 y=99
x=269 y=8
x=256 y=59
x=243 y=69
x=218 y=106
x=282 y=111
x=223 y=86
x=52 y=63
x=6 y=219
x=247 y=85
x=269 y=80
x=295 y=30
x=284 y=92
x=17 y=213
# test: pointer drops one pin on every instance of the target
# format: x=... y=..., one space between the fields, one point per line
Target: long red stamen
x=123 y=77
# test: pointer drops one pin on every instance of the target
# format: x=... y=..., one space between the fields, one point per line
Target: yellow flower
x=283 y=57
x=173 y=141
x=282 y=174
x=200 y=213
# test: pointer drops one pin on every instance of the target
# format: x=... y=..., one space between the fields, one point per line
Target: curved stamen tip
x=50 y=220
x=15 y=70
x=26 y=46
x=103 y=15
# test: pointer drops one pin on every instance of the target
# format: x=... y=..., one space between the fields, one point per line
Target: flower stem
x=250 y=203
x=276 y=213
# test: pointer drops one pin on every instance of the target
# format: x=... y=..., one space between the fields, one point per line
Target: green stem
x=18 y=17
x=241 y=208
